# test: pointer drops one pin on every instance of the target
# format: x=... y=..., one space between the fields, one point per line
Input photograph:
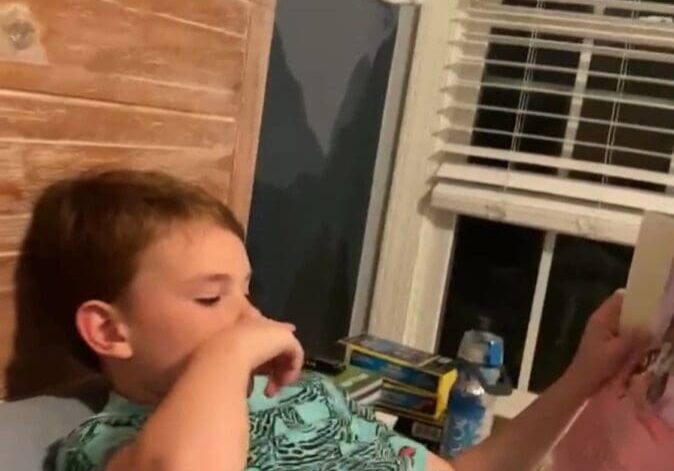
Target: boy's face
x=190 y=284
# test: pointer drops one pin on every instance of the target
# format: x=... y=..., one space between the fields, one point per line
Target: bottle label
x=464 y=423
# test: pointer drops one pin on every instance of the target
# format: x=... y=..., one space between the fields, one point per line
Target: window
x=555 y=134
x=582 y=274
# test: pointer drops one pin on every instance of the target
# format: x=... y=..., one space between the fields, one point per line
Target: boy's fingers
x=279 y=380
x=274 y=379
x=272 y=388
x=284 y=369
x=289 y=326
x=288 y=376
x=293 y=367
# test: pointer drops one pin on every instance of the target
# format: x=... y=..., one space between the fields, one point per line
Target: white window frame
x=383 y=169
x=417 y=244
x=416 y=249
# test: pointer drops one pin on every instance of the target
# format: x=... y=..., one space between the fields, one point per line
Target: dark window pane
x=493 y=274
x=583 y=274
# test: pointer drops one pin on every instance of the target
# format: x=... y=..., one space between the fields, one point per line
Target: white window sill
x=511 y=406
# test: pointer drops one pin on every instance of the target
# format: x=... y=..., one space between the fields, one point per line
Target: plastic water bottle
x=470 y=414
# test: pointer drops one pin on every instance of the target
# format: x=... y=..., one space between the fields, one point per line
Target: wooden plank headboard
x=175 y=85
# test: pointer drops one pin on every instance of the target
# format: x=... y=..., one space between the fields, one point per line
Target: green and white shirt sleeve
x=93 y=443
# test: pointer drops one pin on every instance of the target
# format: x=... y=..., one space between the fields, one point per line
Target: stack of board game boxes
x=416 y=385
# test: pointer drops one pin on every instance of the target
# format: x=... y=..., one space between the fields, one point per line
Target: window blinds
x=559 y=115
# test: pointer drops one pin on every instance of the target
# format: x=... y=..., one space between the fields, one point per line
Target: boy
x=149 y=279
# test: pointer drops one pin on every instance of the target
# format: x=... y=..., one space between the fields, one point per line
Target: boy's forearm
x=523 y=443
x=201 y=424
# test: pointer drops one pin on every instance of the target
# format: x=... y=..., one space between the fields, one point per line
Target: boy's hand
x=281 y=358
x=604 y=351
x=207 y=402
x=260 y=346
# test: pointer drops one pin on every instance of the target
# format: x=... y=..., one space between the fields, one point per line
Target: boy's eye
x=209 y=301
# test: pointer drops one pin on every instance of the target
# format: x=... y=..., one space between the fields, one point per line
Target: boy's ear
x=103 y=329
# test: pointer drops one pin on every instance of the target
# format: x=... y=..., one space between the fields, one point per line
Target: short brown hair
x=87 y=233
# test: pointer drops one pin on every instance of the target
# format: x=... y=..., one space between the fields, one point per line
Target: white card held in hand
x=649 y=305
x=649 y=299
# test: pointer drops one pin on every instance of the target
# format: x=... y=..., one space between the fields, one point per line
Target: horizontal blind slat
x=517 y=157
x=565 y=217
x=646 y=6
x=477 y=64
x=555 y=89
x=632 y=26
x=468 y=130
x=478 y=42
x=564 y=24
x=456 y=105
x=544 y=185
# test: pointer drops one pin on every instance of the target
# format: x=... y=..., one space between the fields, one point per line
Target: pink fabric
x=614 y=433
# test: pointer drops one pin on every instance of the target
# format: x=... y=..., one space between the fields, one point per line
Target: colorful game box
x=415 y=381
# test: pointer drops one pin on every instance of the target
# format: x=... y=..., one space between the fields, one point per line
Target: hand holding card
x=633 y=429
x=649 y=305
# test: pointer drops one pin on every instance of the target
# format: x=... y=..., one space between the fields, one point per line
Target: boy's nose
x=250 y=311
x=255 y=312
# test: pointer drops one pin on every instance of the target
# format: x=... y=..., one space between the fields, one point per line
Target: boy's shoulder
x=91 y=444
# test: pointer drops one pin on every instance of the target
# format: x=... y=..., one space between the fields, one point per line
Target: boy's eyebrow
x=219 y=277
x=214 y=277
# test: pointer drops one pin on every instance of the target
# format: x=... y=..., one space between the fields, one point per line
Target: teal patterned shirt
x=309 y=426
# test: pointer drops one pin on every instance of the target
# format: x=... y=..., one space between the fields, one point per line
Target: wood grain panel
x=25 y=116
x=243 y=172
x=229 y=16
x=31 y=167
x=107 y=37
x=116 y=51
x=267 y=4
x=73 y=81
x=7 y=331
x=7 y=266
x=12 y=229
